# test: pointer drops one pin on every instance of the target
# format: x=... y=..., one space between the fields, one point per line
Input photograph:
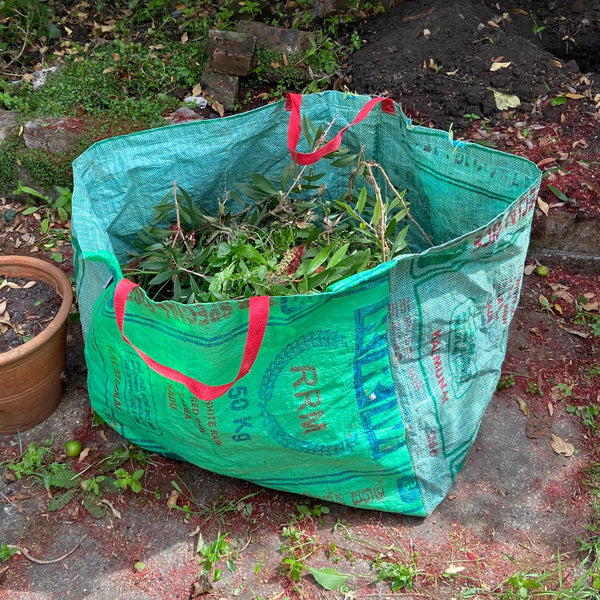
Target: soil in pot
x=26 y=307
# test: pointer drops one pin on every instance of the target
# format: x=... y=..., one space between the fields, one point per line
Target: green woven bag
x=369 y=394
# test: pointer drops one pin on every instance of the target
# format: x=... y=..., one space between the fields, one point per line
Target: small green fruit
x=542 y=270
x=73 y=448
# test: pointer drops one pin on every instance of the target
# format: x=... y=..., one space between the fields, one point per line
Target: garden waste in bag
x=368 y=394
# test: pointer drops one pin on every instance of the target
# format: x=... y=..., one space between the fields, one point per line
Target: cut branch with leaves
x=274 y=238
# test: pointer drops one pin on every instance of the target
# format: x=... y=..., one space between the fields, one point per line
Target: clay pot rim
x=60 y=282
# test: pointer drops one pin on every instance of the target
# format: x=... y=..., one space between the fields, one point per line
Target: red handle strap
x=257 y=324
x=293 y=103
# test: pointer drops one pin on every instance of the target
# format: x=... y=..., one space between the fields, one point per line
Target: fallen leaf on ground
x=575 y=96
x=218 y=108
x=454 y=569
x=538 y=426
x=496 y=66
x=545 y=161
x=550 y=408
x=201 y=586
x=561 y=446
x=506 y=101
x=581 y=334
x=83 y=454
x=529 y=269
x=523 y=406
x=172 y=500
x=560 y=291
x=18 y=497
x=544 y=207
x=29 y=284
x=110 y=505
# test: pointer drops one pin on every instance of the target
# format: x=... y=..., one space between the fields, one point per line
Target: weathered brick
x=232 y=52
x=8 y=123
x=55 y=134
x=279 y=39
x=223 y=88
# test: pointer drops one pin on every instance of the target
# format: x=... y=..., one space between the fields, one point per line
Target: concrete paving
x=514 y=506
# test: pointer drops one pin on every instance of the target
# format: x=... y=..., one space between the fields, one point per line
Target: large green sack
x=369 y=394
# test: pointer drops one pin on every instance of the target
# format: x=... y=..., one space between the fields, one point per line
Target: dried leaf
x=574 y=96
x=561 y=446
x=83 y=454
x=496 y=66
x=560 y=291
x=453 y=72
x=286 y=62
x=545 y=161
x=12 y=285
x=110 y=505
x=201 y=586
x=538 y=426
x=184 y=38
x=506 y=101
x=591 y=307
x=529 y=269
x=29 y=284
x=218 y=108
x=523 y=406
x=557 y=63
x=172 y=500
x=107 y=70
x=581 y=334
x=543 y=206
x=550 y=408
x=197 y=91
x=454 y=569
x=3 y=306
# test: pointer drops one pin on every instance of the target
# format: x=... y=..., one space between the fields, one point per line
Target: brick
x=8 y=123
x=279 y=39
x=55 y=134
x=232 y=52
x=223 y=88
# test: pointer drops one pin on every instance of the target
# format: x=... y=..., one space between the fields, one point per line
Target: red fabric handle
x=293 y=103
x=257 y=324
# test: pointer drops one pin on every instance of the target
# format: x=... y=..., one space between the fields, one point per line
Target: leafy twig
x=397 y=195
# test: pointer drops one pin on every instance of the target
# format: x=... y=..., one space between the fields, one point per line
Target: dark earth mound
x=436 y=57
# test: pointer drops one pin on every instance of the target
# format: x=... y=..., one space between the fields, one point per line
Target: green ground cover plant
x=39 y=465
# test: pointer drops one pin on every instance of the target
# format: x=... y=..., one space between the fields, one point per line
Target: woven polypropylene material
x=369 y=394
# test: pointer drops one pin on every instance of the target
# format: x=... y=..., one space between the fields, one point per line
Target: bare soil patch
x=26 y=308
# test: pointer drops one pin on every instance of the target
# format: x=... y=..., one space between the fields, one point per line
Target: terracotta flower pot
x=30 y=374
